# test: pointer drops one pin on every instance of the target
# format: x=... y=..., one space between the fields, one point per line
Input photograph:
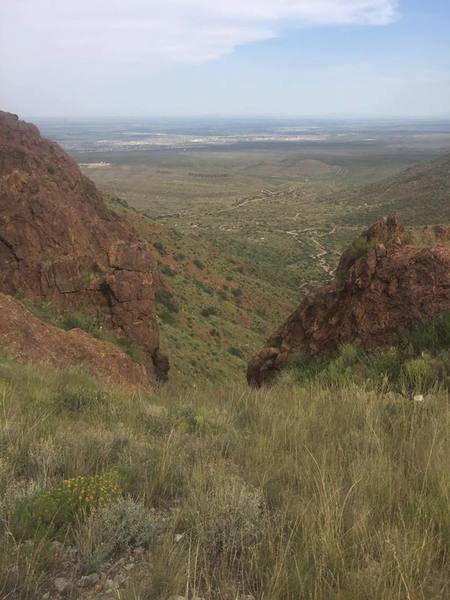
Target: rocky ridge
x=59 y=242
x=385 y=281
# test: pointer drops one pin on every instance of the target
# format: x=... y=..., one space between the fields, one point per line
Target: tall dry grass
x=315 y=491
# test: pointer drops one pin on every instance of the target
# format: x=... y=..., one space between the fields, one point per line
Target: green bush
x=235 y=352
x=166 y=270
x=209 y=311
x=159 y=246
x=198 y=263
x=168 y=318
x=54 y=511
x=419 y=374
x=206 y=288
x=167 y=299
x=80 y=321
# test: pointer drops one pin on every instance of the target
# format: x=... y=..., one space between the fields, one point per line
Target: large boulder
x=59 y=242
x=384 y=283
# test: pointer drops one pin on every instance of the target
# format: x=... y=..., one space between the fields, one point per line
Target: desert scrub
x=226 y=519
x=188 y=419
x=55 y=510
x=117 y=527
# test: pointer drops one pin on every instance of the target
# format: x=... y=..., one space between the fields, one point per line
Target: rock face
x=59 y=242
x=384 y=283
x=27 y=339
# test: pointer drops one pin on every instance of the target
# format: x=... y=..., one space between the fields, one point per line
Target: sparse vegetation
x=417 y=361
x=167 y=299
x=198 y=263
x=160 y=247
x=166 y=270
x=209 y=311
x=305 y=490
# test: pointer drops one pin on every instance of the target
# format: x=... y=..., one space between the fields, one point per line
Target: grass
x=417 y=361
x=321 y=489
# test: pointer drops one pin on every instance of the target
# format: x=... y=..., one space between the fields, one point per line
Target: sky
x=105 y=58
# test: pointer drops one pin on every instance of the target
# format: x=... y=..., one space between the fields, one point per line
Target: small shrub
x=419 y=374
x=235 y=352
x=166 y=270
x=88 y=276
x=209 y=311
x=227 y=518
x=237 y=293
x=166 y=298
x=117 y=527
x=198 y=263
x=57 y=509
x=167 y=318
x=79 y=321
x=206 y=288
x=160 y=247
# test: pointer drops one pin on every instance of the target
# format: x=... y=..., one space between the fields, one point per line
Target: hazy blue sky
x=229 y=57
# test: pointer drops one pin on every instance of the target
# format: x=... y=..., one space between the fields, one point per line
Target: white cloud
x=106 y=34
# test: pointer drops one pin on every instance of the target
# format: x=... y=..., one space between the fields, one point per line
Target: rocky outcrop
x=384 y=283
x=59 y=242
x=27 y=339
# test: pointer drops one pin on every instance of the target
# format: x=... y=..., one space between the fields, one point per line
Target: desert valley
x=224 y=300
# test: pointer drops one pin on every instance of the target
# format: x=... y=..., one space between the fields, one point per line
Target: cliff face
x=59 y=242
x=384 y=283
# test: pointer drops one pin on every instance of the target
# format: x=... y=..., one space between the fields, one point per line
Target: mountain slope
x=59 y=243
x=419 y=195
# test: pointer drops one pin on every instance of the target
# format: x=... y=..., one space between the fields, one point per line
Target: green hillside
x=420 y=196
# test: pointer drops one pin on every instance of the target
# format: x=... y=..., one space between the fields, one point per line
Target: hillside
x=61 y=246
x=213 y=306
x=419 y=195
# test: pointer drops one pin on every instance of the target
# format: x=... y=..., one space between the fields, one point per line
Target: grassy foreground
x=314 y=490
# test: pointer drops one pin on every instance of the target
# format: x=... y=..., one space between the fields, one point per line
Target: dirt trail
x=322 y=253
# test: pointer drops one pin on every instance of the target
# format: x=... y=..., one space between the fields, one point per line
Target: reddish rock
x=383 y=284
x=59 y=242
x=27 y=339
